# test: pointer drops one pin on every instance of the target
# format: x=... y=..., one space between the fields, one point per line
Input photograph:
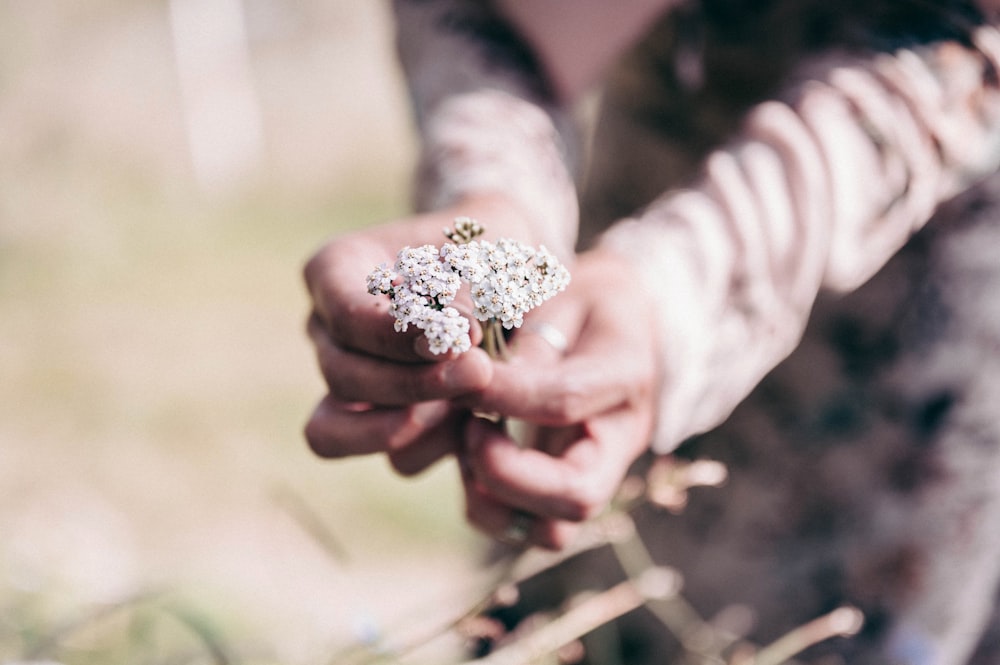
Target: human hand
x=387 y=391
x=593 y=409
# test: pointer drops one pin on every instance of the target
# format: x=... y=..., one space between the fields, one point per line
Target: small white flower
x=407 y=307
x=465 y=260
x=447 y=330
x=425 y=274
x=463 y=230
x=519 y=279
x=507 y=279
x=380 y=280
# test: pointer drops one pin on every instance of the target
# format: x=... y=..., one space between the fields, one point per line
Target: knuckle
x=566 y=406
x=338 y=383
x=343 y=320
x=310 y=270
x=327 y=357
x=320 y=262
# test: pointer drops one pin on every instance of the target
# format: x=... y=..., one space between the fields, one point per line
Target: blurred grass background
x=154 y=373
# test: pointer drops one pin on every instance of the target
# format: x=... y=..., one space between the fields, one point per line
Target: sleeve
x=487 y=119
x=819 y=190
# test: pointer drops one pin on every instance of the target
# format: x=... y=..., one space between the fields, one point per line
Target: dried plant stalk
x=584 y=617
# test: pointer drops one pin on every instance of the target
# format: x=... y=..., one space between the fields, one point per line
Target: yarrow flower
x=506 y=279
x=420 y=289
x=513 y=280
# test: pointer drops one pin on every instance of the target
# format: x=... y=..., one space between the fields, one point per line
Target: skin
x=387 y=392
x=593 y=406
x=591 y=409
x=555 y=35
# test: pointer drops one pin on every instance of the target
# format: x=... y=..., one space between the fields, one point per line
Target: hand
x=387 y=391
x=594 y=408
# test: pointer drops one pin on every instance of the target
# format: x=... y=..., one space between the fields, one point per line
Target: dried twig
x=512 y=571
x=646 y=583
x=842 y=622
x=586 y=615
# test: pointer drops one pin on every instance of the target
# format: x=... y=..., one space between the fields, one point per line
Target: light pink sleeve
x=487 y=116
x=819 y=191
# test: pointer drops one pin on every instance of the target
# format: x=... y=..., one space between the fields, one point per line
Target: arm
x=818 y=192
x=821 y=187
x=488 y=118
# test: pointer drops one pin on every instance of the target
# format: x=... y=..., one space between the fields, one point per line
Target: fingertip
x=556 y=535
x=315 y=433
x=471 y=371
x=408 y=465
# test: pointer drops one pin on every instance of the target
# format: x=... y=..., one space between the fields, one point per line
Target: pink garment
x=816 y=192
x=825 y=181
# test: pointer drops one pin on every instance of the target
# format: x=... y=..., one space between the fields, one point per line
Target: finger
x=431 y=446
x=339 y=429
x=563 y=391
x=355 y=377
x=606 y=366
x=548 y=332
x=611 y=357
x=574 y=485
x=347 y=313
x=370 y=329
x=495 y=519
x=335 y=280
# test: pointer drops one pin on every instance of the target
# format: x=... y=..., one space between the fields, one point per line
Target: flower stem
x=494 y=342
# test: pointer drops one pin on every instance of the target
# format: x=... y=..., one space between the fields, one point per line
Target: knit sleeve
x=487 y=119
x=819 y=190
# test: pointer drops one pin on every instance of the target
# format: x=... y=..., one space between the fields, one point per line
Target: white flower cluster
x=506 y=279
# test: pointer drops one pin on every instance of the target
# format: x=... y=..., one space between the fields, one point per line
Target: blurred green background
x=166 y=166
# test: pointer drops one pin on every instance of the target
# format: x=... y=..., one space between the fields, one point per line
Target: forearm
x=818 y=192
x=488 y=121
